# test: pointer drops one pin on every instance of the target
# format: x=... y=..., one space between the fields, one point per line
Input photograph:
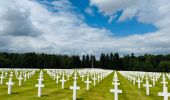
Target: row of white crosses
x=59 y=75
x=134 y=76
x=96 y=75
x=10 y=83
x=154 y=78
x=14 y=72
x=116 y=91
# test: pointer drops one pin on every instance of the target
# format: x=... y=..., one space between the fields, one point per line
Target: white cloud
x=89 y=11
x=31 y=26
x=109 y=7
x=156 y=12
x=111 y=18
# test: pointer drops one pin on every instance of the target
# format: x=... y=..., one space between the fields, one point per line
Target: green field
x=101 y=91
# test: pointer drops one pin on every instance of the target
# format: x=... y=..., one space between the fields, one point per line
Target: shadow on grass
x=67 y=88
x=15 y=93
x=80 y=99
x=45 y=95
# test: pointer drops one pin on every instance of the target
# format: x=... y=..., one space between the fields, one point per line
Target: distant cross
x=98 y=77
x=115 y=77
x=153 y=80
x=20 y=79
x=138 y=81
x=63 y=81
x=2 y=77
x=25 y=77
x=134 y=80
x=165 y=93
x=115 y=83
x=82 y=77
x=57 y=77
x=9 y=83
x=68 y=76
x=11 y=75
x=28 y=75
x=164 y=80
x=6 y=73
x=87 y=83
x=16 y=74
x=94 y=79
x=75 y=76
x=54 y=76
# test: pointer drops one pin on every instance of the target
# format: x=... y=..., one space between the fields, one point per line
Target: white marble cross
x=116 y=91
x=20 y=79
x=28 y=75
x=87 y=83
x=165 y=93
x=94 y=79
x=139 y=81
x=147 y=85
x=68 y=76
x=11 y=75
x=6 y=74
x=153 y=80
x=39 y=85
x=63 y=81
x=9 y=83
x=134 y=80
x=75 y=76
x=82 y=77
x=115 y=80
x=25 y=77
x=57 y=77
x=98 y=77
x=74 y=88
x=164 y=80
x=2 y=77
x=54 y=76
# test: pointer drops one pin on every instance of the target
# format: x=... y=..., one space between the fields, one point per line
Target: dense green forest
x=146 y=62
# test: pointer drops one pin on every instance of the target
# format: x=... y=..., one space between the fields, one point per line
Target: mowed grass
x=101 y=91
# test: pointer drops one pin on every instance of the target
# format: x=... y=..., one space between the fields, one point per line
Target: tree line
x=147 y=62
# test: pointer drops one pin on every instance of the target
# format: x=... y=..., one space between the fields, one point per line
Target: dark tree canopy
x=147 y=62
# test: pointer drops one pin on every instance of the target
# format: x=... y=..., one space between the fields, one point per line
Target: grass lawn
x=101 y=91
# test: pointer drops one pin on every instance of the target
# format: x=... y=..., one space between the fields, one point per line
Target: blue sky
x=119 y=29
x=128 y=27
x=85 y=26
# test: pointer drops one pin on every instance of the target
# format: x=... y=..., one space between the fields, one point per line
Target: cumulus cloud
x=15 y=20
x=54 y=27
x=154 y=12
